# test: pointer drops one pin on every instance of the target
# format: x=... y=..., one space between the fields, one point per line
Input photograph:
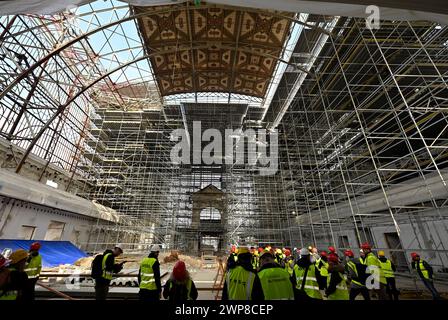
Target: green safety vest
x=352 y=266
x=10 y=294
x=387 y=269
x=240 y=283
x=341 y=292
x=372 y=260
x=423 y=270
x=188 y=285
x=147 y=280
x=34 y=267
x=289 y=266
x=106 y=274
x=276 y=284
x=324 y=269
x=311 y=286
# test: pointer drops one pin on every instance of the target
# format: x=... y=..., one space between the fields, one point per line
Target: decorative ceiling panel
x=211 y=48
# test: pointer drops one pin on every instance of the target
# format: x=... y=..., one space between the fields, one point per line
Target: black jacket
x=111 y=266
x=257 y=291
x=177 y=291
x=335 y=278
x=156 y=270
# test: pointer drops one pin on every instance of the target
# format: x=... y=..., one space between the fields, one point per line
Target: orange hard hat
x=287 y=252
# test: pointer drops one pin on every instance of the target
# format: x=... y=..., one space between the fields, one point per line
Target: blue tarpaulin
x=54 y=253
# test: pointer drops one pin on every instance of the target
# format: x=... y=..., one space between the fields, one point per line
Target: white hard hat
x=155 y=248
x=119 y=246
x=304 y=252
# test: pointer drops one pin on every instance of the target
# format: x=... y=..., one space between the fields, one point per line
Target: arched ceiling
x=213 y=48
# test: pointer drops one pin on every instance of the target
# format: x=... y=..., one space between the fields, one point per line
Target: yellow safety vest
x=387 y=269
x=240 y=283
x=289 y=266
x=106 y=274
x=147 y=280
x=372 y=260
x=34 y=267
x=341 y=292
x=188 y=285
x=324 y=269
x=423 y=270
x=352 y=266
x=276 y=284
x=311 y=286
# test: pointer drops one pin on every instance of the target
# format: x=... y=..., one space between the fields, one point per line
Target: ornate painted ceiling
x=212 y=48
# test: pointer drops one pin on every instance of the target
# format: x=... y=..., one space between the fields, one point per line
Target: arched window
x=210 y=213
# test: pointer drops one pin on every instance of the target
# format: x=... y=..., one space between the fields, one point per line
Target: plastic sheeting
x=54 y=253
x=389 y=10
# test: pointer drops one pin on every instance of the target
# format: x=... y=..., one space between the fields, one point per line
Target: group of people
x=251 y=274
x=19 y=273
x=179 y=286
x=279 y=274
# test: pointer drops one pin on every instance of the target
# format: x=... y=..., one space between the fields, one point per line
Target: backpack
x=97 y=267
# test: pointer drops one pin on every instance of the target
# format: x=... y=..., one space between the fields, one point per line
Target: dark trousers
x=29 y=290
x=149 y=295
x=391 y=289
x=354 y=292
x=101 y=290
x=381 y=292
x=430 y=286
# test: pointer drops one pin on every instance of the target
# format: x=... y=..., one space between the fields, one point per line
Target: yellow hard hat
x=243 y=250
x=18 y=256
x=278 y=251
x=381 y=253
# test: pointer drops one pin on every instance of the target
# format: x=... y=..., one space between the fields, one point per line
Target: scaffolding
x=361 y=115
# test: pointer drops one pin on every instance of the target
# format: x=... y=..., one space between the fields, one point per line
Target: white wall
x=76 y=230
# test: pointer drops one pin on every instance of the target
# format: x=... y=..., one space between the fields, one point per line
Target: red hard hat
x=366 y=246
x=35 y=246
x=331 y=249
x=349 y=253
x=260 y=250
x=179 y=270
x=414 y=255
x=333 y=258
x=287 y=252
x=323 y=254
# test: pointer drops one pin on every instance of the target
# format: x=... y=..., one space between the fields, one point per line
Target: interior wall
x=16 y=213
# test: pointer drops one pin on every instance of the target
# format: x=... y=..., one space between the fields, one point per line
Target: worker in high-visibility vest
x=275 y=280
x=149 y=276
x=388 y=269
x=374 y=268
x=289 y=262
x=242 y=282
x=108 y=267
x=356 y=276
x=337 y=288
x=322 y=268
x=425 y=272
x=32 y=269
x=233 y=258
x=305 y=278
x=13 y=278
